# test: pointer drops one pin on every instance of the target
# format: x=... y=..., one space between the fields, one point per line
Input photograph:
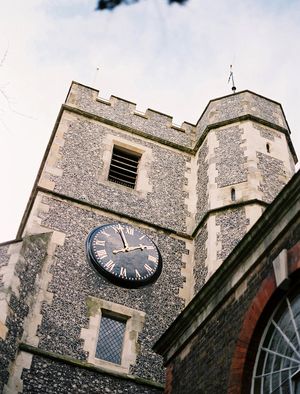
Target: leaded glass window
x=277 y=366
x=110 y=340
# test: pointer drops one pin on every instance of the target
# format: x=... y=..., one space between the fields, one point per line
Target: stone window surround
x=142 y=184
x=134 y=324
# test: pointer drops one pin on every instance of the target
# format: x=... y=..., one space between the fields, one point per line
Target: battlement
x=218 y=112
x=124 y=112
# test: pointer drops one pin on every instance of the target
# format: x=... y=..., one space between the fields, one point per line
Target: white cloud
x=170 y=58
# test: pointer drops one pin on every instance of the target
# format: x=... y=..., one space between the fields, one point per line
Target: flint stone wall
x=73 y=280
x=81 y=173
x=30 y=262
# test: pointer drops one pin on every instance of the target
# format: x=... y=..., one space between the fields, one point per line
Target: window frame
x=107 y=315
x=118 y=150
x=286 y=308
x=143 y=184
x=135 y=320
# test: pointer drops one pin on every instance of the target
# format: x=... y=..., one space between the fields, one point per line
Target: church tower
x=191 y=191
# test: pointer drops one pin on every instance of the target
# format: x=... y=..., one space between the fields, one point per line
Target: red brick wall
x=220 y=357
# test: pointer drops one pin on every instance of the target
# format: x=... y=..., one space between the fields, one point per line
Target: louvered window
x=123 y=167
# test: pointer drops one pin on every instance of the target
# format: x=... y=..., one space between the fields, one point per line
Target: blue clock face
x=124 y=255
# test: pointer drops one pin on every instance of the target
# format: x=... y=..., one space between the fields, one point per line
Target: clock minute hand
x=122 y=236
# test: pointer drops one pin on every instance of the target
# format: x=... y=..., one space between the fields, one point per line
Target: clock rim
x=121 y=282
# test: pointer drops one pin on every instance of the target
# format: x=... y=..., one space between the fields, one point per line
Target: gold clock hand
x=131 y=248
x=120 y=230
x=120 y=250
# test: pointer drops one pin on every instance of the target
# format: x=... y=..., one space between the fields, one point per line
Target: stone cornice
x=226 y=207
x=167 y=230
x=193 y=150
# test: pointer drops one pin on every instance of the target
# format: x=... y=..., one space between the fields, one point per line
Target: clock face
x=124 y=255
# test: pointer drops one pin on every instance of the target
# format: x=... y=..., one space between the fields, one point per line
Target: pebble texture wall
x=202 y=182
x=237 y=105
x=200 y=269
x=266 y=132
x=48 y=377
x=73 y=280
x=233 y=226
x=164 y=205
x=78 y=171
x=230 y=157
x=28 y=266
x=123 y=112
x=273 y=176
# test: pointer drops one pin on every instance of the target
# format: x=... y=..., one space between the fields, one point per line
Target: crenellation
x=124 y=112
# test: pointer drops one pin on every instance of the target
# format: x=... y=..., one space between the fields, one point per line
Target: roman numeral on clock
x=109 y=265
x=101 y=254
x=100 y=243
x=130 y=230
x=149 y=269
x=152 y=258
x=123 y=272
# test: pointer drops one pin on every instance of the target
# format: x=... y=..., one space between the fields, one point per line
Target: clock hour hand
x=120 y=250
x=131 y=248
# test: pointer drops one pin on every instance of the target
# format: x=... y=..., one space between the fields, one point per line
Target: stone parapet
x=238 y=105
x=124 y=112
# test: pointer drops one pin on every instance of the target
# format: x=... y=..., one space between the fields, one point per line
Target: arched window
x=268 y=147
x=277 y=365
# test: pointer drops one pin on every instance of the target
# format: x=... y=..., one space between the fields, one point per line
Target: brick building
x=192 y=191
x=244 y=336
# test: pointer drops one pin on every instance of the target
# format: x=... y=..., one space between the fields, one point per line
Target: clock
x=124 y=255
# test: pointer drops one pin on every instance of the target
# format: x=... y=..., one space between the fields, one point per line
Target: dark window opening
x=110 y=340
x=268 y=148
x=123 y=167
x=233 y=197
x=296 y=379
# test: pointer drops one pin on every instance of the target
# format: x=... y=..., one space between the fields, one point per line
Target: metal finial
x=231 y=78
x=96 y=75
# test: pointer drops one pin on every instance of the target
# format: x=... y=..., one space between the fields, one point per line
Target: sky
x=170 y=58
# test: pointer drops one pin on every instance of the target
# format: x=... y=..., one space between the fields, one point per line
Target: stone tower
x=197 y=191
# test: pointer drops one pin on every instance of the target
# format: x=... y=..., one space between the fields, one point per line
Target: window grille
x=278 y=360
x=110 y=340
x=123 y=167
